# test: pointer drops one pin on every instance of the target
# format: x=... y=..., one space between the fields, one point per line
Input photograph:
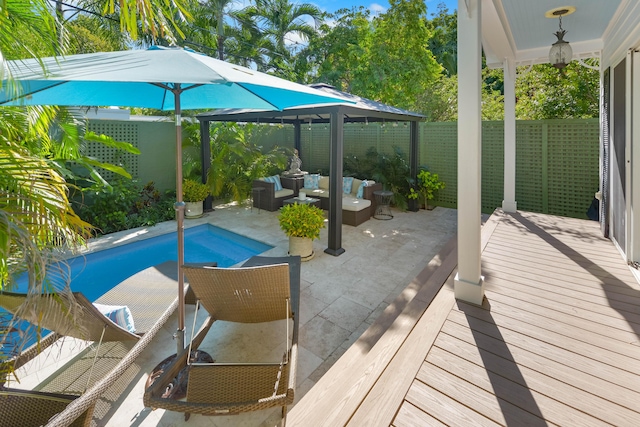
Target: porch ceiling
x=518 y=29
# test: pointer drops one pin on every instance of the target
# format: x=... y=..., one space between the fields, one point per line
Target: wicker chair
x=262 y=290
x=266 y=197
x=151 y=296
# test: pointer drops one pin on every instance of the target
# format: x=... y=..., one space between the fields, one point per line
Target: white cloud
x=377 y=9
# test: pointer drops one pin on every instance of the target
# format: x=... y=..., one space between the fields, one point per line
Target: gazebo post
x=205 y=158
x=296 y=137
x=335 y=183
x=413 y=150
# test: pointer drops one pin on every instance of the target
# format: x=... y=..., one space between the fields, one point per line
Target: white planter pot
x=193 y=209
x=302 y=246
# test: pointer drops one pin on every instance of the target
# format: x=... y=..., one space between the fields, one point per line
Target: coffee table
x=306 y=201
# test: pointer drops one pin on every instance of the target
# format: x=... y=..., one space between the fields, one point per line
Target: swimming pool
x=95 y=273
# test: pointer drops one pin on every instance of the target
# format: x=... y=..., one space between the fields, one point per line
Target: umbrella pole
x=179 y=207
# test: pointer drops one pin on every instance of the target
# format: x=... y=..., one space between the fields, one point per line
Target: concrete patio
x=340 y=298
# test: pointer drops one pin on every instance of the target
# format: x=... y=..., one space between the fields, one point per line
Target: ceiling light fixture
x=561 y=53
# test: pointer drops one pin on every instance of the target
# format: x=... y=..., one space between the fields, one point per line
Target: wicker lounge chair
x=151 y=296
x=262 y=290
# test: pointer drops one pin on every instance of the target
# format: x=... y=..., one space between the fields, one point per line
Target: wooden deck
x=557 y=341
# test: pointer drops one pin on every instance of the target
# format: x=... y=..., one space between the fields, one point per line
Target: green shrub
x=301 y=220
x=126 y=205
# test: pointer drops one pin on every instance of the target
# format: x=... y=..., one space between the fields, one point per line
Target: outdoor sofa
x=268 y=193
x=358 y=201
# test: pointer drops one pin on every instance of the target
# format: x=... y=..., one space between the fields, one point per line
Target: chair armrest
x=269 y=188
x=368 y=191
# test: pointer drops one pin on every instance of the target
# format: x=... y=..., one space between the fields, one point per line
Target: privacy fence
x=556 y=160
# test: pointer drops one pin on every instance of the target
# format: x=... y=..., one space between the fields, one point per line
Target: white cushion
x=323 y=183
x=318 y=192
x=282 y=193
x=355 y=205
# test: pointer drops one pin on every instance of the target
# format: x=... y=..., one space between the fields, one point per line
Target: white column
x=469 y=284
x=633 y=132
x=509 y=201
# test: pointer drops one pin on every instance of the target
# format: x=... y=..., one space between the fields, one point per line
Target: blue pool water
x=96 y=273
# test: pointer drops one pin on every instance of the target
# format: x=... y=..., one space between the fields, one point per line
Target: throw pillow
x=347 y=182
x=275 y=180
x=311 y=181
x=118 y=314
x=360 y=193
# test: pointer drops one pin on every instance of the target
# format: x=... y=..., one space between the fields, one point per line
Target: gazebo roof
x=363 y=109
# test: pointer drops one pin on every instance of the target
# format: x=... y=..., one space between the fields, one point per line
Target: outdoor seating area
x=358 y=200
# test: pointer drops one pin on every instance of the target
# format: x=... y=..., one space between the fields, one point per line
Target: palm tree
x=210 y=29
x=278 y=20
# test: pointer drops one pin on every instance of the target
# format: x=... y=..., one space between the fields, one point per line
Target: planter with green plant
x=193 y=194
x=427 y=184
x=302 y=223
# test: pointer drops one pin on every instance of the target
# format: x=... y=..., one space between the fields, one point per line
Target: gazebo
x=363 y=110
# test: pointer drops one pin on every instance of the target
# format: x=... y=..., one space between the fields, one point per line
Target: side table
x=383 y=202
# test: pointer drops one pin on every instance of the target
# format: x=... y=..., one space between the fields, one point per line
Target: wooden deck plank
x=532 y=290
x=617 y=292
x=410 y=416
x=557 y=271
x=520 y=395
x=576 y=268
x=457 y=326
x=582 y=401
x=449 y=411
x=588 y=332
x=517 y=249
x=524 y=256
x=596 y=295
x=380 y=405
x=628 y=304
x=483 y=401
x=583 y=310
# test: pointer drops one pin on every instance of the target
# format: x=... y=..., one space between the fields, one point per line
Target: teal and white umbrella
x=171 y=79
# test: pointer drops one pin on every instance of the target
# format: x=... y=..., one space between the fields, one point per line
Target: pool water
x=96 y=273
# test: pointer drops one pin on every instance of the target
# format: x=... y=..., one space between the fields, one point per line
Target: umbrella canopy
x=160 y=78
x=147 y=78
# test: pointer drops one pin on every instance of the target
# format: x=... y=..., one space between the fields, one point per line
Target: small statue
x=294 y=164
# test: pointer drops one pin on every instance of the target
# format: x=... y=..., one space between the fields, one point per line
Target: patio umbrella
x=159 y=78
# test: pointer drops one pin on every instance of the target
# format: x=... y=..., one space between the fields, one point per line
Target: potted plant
x=428 y=183
x=302 y=223
x=193 y=194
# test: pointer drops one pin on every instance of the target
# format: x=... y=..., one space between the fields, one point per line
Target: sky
x=379 y=6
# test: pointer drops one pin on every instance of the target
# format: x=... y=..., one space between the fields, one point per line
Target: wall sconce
x=561 y=53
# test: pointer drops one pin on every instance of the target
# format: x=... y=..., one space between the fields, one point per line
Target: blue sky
x=376 y=6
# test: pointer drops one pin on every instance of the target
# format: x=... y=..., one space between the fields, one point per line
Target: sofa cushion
x=352 y=204
x=317 y=192
x=275 y=179
x=347 y=182
x=282 y=193
x=323 y=183
x=311 y=180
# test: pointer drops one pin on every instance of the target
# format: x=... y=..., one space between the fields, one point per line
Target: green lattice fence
x=438 y=152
